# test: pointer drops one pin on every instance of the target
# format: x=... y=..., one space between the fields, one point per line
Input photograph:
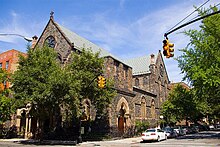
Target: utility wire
x=185 y=24
x=204 y=12
x=188 y=15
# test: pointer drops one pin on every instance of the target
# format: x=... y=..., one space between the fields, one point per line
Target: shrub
x=141 y=126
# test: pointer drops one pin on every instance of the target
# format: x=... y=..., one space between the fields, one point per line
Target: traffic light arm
x=185 y=24
x=93 y=80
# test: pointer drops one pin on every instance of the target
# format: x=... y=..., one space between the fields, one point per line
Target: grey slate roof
x=80 y=43
x=140 y=65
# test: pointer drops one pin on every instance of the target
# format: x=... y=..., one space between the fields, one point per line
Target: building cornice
x=144 y=92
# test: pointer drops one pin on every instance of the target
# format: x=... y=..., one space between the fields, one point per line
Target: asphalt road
x=202 y=139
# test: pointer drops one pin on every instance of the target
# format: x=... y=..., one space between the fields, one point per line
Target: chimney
x=34 y=41
x=152 y=59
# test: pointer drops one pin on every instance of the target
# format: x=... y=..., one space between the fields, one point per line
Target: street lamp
x=25 y=38
x=80 y=124
x=161 y=117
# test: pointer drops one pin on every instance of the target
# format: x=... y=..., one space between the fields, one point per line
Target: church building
x=141 y=83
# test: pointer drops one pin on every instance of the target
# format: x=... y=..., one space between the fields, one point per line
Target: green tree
x=200 y=62
x=181 y=105
x=6 y=102
x=86 y=66
x=41 y=81
x=55 y=89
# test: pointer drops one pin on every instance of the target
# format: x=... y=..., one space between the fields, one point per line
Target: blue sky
x=126 y=28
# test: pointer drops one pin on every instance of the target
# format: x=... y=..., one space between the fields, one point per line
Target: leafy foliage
x=181 y=105
x=41 y=81
x=141 y=126
x=55 y=89
x=200 y=62
x=6 y=102
x=86 y=67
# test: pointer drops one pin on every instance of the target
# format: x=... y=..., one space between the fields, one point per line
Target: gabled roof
x=80 y=43
x=140 y=65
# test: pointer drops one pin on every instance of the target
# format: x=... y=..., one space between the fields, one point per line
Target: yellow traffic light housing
x=171 y=49
x=168 y=48
x=101 y=82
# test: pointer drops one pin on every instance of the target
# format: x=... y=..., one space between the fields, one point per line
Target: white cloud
x=138 y=37
x=18 y=24
x=13 y=27
x=121 y=3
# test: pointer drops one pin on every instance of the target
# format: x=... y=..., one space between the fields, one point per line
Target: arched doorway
x=121 y=120
x=123 y=113
x=23 y=122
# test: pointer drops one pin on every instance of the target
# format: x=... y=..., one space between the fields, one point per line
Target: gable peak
x=51 y=15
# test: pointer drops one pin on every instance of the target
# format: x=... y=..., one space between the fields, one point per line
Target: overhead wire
x=204 y=12
x=188 y=15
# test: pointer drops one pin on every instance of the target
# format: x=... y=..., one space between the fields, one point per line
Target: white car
x=154 y=134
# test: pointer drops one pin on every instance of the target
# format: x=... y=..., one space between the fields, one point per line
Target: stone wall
x=63 y=47
x=153 y=86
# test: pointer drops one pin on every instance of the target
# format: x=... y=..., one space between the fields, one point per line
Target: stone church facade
x=142 y=83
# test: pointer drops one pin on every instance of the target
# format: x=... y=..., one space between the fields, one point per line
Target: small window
x=145 y=80
x=7 y=65
x=125 y=72
x=136 y=82
x=0 y=65
x=116 y=66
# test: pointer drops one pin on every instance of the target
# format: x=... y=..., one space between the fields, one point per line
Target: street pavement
x=202 y=139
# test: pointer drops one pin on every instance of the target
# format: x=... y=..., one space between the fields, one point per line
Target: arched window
x=143 y=107
x=50 y=41
x=86 y=109
x=152 y=109
x=165 y=90
x=136 y=82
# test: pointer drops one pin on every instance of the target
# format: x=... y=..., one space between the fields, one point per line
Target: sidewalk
x=61 y=142
x=119 y=142
x=39 y=142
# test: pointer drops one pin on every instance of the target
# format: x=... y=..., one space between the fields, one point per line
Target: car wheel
x=158 y=138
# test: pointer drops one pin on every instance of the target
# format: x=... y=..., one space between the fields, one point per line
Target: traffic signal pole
x=190 y=22
x=167 y=47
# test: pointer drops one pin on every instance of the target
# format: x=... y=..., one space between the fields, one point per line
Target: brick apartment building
x=9 y=62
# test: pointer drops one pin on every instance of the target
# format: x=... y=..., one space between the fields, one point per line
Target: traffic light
x=168 y=48
x=101 y=81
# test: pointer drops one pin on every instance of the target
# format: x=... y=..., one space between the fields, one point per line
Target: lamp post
x=161 y=117
x=80 y=124
x=25 y=38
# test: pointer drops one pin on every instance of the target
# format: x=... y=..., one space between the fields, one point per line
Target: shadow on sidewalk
x=201 y=135
x=46 y=142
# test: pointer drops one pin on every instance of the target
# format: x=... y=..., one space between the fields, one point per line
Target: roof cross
x=51 y=15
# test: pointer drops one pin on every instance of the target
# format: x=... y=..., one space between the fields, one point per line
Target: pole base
x=79 y=140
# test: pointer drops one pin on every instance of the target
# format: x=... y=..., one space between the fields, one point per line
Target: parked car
x=179 y=130
x=187 y=130
x=218 y=126
x=171 y=133
x=195 y=129
x=211 y=127
x=154 y=134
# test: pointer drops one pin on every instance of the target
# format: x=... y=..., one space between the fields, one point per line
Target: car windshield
x=168 y=129
x=151 y=130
